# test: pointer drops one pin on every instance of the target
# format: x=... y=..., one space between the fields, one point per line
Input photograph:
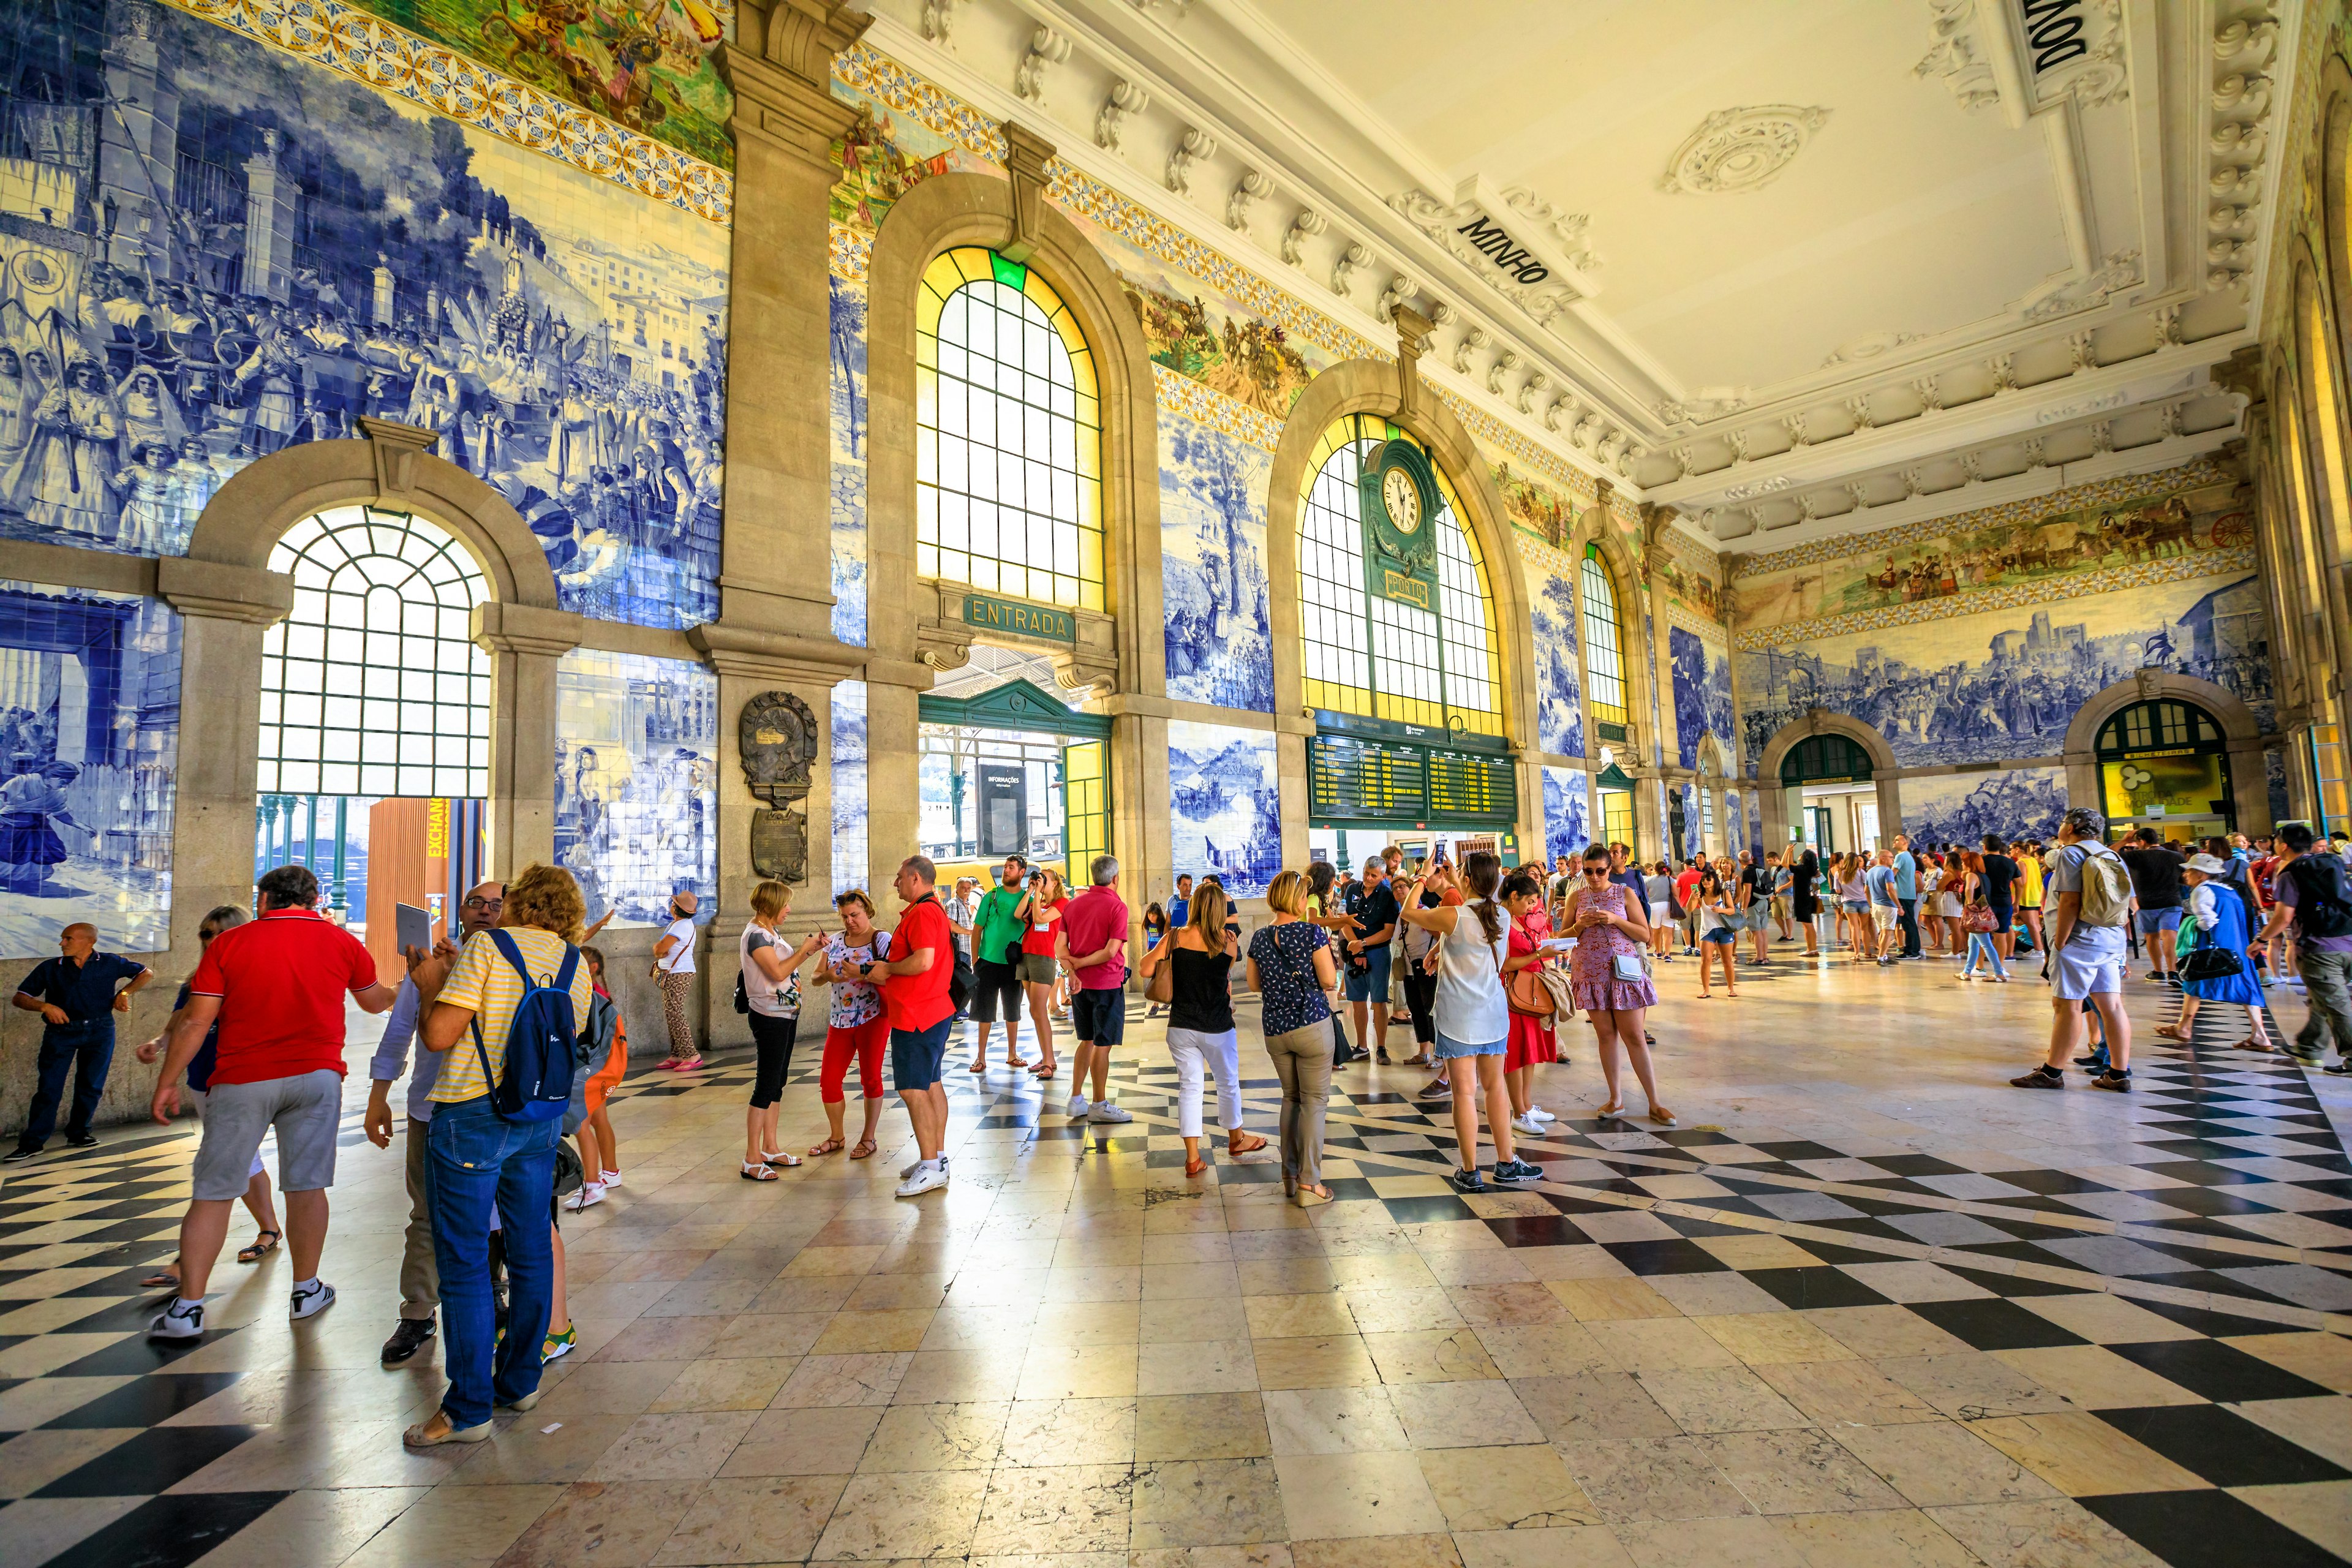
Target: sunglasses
x=1596 y=870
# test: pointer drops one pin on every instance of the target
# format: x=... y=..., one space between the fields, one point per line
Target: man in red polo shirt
x=275 y=986
x=922 y=1015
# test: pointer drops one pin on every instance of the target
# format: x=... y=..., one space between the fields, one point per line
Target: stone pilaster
x=525 y=643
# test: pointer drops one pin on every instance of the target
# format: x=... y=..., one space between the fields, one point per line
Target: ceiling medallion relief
x=1740 y=149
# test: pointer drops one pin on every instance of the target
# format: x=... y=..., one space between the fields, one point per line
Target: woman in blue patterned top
x=1290 y=966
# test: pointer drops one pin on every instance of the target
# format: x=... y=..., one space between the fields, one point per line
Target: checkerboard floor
x=1866 y=1304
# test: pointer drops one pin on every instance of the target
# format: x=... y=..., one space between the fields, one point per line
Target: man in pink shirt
x=1094 y=948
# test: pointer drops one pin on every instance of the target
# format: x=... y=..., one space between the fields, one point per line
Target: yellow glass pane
x=1040 y=290
x=926 y=342
x=1082 y=373
x=1089 y=414
x=926 y=396
x=927 y=561
x=1090 y=555
x=977 y=266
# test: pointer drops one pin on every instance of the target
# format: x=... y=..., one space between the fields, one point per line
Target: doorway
x=1008 y=768
x=2166 y=765
x=1832 y=801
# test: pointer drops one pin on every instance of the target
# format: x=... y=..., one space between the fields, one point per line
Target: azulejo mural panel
x=847 y=308
x=636 y=758
x=847 y=778
x=1961 y=808
x=1560 y=688
x=2006 y=683
x=89 y=728
x=1567 y=811
x=645 y=63
x=1702 y=675
x=291 y=250
x=1225 y=806
x=2045 y=547
x=1212 y=491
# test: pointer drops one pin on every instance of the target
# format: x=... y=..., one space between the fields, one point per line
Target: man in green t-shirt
x=996 y=964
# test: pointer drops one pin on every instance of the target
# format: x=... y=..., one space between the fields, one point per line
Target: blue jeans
x=1980 y=948
x=85 y=1051
x=473 y=1160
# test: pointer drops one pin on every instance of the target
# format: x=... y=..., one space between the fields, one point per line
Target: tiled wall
x=636 y=749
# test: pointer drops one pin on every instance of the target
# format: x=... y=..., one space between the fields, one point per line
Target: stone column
x=138 y=138
x=271 y=199
x=525 y=643
x=777 y=572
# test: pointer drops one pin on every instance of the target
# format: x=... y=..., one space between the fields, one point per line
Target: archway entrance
x=375 y=719
x=2165 y=765
x=1615 y=788
x=1008 y=768
x=1832 y=797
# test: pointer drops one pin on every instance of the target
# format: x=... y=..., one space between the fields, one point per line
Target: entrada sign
x=1494 y=242
x=1022 y=620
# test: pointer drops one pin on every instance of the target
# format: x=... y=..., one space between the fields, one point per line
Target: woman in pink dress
x=1533 y=1040
x=1608 y=928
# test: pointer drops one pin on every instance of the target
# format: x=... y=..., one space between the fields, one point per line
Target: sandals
x=979 y=1066
x=1313 y=1197
x=260 y=1248
x=2260 y=1047
x=2172 y=1032
x=1042 y=1073
x=865 y=1149
x=830 y=1146
x=758 y=1174
x=1245 y=1143
x=783 y=1162
x=1194 y=1169
x=159 y=1279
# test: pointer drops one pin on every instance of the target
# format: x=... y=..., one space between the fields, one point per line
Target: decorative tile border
x=1711 y=633
x=367 y=48
x=2188 y=476
x=2172 y=569
x=1181 y=394
x=849 y=252
x=885 y=80
x=1495 y=433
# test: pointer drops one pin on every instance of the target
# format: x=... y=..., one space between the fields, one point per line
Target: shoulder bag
x=1160 y=990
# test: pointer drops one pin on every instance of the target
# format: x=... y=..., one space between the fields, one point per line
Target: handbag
x=1630 y=967
x=2210 y=963
x=1979 y=919
x=1160 y=990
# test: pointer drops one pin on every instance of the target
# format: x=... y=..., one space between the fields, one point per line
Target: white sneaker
x=1528 y=1125
x=178 y=1322
x=611 y=1179
x=311 y=1303
x=1540 y=1114
x=923 y=1181
x=912 y=1166
x=590 y=1195
x=1109 y=1111
x=1077 y=1108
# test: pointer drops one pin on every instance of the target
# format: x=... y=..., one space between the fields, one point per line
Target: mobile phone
x=412 y=927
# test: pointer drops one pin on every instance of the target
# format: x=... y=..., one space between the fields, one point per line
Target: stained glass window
x=1604 y=642
x=1373 y=656
x=373 y=685
x=1008 y=434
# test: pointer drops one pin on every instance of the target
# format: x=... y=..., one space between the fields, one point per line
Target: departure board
x=1364 y=779
x=1465 y=785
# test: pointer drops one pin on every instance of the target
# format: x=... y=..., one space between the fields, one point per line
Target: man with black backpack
x=2310 y=891
x=923 y=983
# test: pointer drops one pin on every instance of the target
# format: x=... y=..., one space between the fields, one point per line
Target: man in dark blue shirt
x=77 y=996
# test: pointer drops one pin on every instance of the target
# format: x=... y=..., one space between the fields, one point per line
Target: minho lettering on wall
x=1022 y=620
x=1493 y=241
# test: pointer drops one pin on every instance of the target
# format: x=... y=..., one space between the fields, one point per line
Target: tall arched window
x=2325 y=402
x=373 y=685
x=1604 y=645
x=1374 y=656
x=1008 y=434
x=2295 y=482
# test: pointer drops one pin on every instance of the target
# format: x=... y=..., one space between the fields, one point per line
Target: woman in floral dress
x=1607 y=927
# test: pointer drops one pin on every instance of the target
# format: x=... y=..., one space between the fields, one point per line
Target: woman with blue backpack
x=507 y=1012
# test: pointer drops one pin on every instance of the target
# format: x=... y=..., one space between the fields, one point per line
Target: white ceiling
x=1905 y=296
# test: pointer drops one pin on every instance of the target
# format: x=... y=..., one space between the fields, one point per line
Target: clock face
x=1403 y=499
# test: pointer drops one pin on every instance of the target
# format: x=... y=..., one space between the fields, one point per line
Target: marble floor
x=1866 y=1305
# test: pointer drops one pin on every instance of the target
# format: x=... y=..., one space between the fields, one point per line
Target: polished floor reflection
x=1866 y=1305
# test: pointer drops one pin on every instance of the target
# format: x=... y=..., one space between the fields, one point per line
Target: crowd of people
x=517 y=1041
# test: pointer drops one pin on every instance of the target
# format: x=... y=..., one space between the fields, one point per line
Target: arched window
x=1374 y=656
x=2296 y=484
x=2325 y=400
x=373 y=685
x=1008 y=434
x=1604 y=645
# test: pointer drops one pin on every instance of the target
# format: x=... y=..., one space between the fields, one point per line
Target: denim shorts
x=916 y=1054
x=1371 y=983
x=2154 y=920
x=1725 y=935
x=1449 y=1048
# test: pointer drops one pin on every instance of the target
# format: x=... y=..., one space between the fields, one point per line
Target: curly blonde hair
x=545 y=898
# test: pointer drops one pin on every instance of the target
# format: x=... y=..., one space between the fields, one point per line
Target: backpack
x=2107 y=886
x=543 y=1042
x=959 y=978
x=2322 y=897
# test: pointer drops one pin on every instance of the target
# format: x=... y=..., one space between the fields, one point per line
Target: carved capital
x=778 y=109
x=774 y=655
x=1413 y=330
x=213 y=590
x=503 y=627
x=1026 y=155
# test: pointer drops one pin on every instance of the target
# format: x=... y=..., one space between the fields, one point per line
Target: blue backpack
x=543 y=1043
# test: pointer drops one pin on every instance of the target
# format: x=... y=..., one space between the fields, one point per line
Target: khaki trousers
x=1302 y=1059
x=420 y=1280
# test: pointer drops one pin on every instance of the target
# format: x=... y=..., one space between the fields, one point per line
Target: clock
x=1399 y=494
